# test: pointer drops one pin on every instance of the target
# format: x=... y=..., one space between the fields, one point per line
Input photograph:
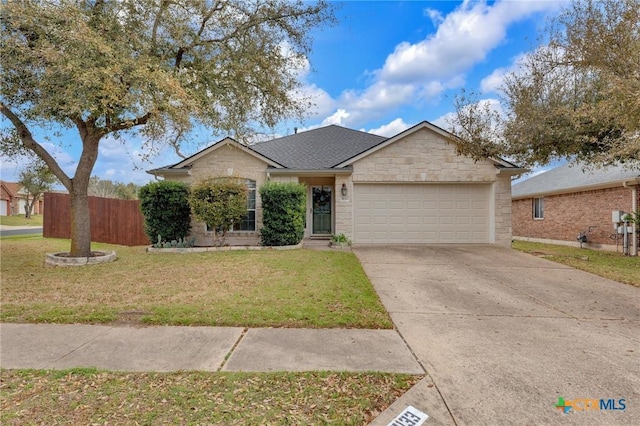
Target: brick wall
x=566 y=215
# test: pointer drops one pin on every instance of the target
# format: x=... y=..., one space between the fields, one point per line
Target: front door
x=321 y=209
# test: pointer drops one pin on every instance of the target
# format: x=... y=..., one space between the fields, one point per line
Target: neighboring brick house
x=409 y=188
x=560 y=204
x=13 y=199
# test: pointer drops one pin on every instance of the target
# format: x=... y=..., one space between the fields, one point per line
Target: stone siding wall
x=423 y=156
x=502 y=210
x=228 y=160
x=426 y=157
x=343 y=207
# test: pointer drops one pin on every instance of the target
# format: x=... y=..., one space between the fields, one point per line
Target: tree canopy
x=155 y=68
x=577 y=96
x=36 y=179
x=107 y=188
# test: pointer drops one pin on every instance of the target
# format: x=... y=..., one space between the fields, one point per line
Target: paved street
x=19 y=230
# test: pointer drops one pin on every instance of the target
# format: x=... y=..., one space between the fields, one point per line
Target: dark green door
x=321 y=199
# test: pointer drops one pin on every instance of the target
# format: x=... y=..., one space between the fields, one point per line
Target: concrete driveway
x=503 y=334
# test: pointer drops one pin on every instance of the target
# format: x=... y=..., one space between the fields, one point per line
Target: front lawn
x=294 y=288
x=615 y=266
x=86 y=397
x=19 y=220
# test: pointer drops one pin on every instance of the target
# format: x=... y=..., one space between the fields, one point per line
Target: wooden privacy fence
x=112 y=221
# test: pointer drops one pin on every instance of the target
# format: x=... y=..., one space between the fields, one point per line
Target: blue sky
x=384 y=67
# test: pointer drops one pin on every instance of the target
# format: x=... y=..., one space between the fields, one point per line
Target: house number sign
x=410 y=416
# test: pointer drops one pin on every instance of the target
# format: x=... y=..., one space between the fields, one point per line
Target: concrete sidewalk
x=164 y=349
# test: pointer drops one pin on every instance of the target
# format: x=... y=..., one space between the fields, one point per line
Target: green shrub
x=340 y=239
x=166 y=210
x=220 y=203
x=283 y=211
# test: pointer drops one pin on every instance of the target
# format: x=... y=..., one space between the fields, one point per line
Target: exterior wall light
x=343 y=191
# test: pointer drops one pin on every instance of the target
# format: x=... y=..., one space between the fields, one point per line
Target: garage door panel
x=430 y=213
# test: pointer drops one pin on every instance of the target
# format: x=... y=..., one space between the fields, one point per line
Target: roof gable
x=13 y=188
x=420 y=126
x=226 y=141
x=574 y=178
x=183 y=166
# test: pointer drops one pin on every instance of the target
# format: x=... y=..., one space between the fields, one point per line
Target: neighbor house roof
x=330 y=148
x=13 y=188
x=575 y=178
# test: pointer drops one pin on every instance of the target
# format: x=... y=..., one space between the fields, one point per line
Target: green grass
x=86 y=396
x=19 y=220
x=294 y=288
x=615 y=266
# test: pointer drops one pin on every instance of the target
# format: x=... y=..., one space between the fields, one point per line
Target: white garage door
x=434 y=213
x=3 y=207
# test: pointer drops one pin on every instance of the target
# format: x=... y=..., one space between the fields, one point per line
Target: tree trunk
x=79 y=193
x=80 y=222
x=28 y=207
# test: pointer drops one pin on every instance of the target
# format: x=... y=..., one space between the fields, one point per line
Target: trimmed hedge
x=283 y=213
x=166 y=210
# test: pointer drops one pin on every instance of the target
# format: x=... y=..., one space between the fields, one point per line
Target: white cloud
x=9 y=169
x=419 y=72
x=391 y=129
x=122 y=160
x=494 y=81
x=435 y=16
x=463 y=39
x=377 y=99
x=322 y=102
x=444 y=121
x=337 y=118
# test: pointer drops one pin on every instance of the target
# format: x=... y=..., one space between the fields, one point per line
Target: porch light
x=344 y=190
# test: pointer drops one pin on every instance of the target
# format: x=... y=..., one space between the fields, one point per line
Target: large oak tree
x=577 y=96
x=155 y=68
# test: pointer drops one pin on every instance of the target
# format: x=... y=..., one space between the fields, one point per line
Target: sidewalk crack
x=76 y=349
x=233 y=348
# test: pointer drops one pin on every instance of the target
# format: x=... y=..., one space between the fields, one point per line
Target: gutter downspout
x=634 y=208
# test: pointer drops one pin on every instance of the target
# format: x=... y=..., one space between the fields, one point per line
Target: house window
x=538 y=208
x=248 y=222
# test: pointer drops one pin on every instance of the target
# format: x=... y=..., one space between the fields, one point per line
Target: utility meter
x=617 y=216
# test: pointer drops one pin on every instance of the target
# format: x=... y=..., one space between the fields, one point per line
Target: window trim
x=538 y=208
x=252 y=187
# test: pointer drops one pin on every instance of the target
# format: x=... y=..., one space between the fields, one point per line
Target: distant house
x=562 y=203
x=13 y=199
x=409 y=188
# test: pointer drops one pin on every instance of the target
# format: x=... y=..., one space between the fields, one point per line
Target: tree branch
x=127 y=124
x=29 y=142
x=156 y=23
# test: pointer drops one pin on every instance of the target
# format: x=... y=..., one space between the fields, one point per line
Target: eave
x=167 y=171
x=584 y=188
x=343 y=171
